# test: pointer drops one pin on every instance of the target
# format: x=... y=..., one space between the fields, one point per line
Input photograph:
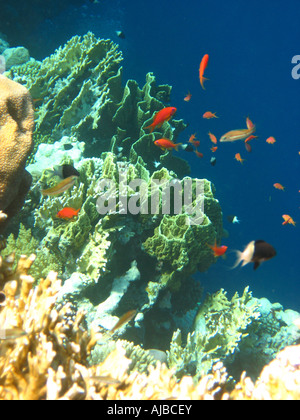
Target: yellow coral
x=48 y=359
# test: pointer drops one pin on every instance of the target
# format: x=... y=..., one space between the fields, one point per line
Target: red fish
x=238 y=157
x=250 y=138
x=166 y=144
x=278 y=186
x=218 y=251
x=67 y=213
x=161 y=116
x=271 y=140
x=192 y=138
x=202 y=68
x=208 y=115
x=213 y=138
x=199 y=154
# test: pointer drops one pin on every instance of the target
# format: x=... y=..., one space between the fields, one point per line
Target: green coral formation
x=182 y=246
x=220 y=327
x=79 y=93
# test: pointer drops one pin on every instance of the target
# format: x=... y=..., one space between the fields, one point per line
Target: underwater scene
x=149 y=201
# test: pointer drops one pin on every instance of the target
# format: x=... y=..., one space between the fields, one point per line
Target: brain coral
x=16 y=125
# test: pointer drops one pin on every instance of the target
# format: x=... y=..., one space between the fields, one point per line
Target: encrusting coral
x=17 y=122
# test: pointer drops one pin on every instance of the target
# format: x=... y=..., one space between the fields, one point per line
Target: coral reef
x=58 y=308
x=220 y=328
x=17 y=121
x=280 y=380
x=15 y=56
x=44 y=355
x=78 y=92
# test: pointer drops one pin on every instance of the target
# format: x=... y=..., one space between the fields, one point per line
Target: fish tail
x=177 y=146
x=149 y=127
x=239 y=259
x=203 y=79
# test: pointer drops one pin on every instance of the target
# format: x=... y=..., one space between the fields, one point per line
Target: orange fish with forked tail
x=67 y=213
x=161 y=116
x=209 y=115
x=202 y=68
x=166 y=144
x=238 y=157
x=218 y=251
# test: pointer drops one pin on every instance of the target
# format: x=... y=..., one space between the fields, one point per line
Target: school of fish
x=245 y=135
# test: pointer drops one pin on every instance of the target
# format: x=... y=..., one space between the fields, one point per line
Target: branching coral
x=44 y=355
x=220 y=327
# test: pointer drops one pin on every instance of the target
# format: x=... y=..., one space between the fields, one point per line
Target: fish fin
x=239 y=255
x=177 y=146
x=203 y=80
x=256 y=265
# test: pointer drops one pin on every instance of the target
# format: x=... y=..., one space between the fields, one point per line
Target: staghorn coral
x=16 y=121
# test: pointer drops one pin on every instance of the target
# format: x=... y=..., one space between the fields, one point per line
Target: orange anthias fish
x=250 y=138
x=213 y=138
x=187 y=98
x=166 y=144
x=288 y=220
x=240 y=134
x=199 y=154
x=208 y=115
x=271 y=140
x=218 y=251
x=192 y=138
x=67 y=213
x=61 y=187
x=161 y=116
x=202 y=68
x=278 y=186
x=238 y=157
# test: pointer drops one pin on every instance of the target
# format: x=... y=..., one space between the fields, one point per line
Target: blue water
x=251 y=45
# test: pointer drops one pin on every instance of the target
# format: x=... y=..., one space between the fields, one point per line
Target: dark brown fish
x=123 y=320
x=256 y=252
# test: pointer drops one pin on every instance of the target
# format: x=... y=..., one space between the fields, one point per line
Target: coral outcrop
x=17 y=122
x=220 y=327
x=79 y=93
